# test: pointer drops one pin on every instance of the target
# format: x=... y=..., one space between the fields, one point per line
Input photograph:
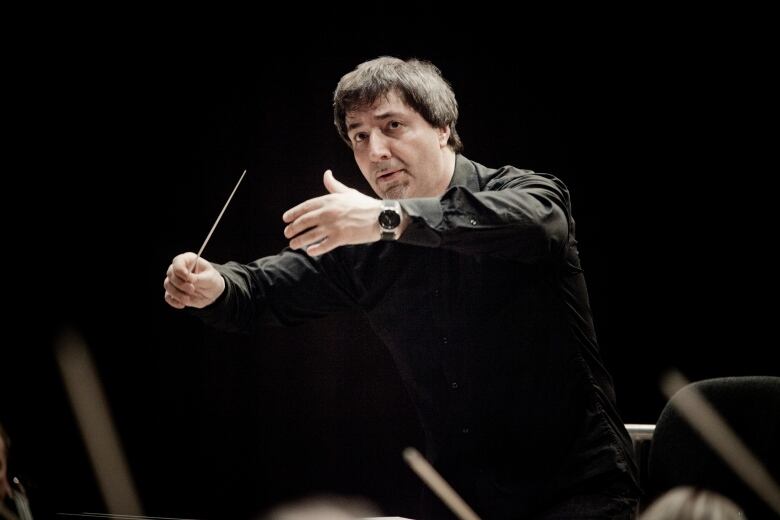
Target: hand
x=344 y=216
x=184 y=288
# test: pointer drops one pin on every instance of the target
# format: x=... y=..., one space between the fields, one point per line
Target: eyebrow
x=382 y=116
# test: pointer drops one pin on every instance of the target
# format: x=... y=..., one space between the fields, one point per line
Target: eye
x=358 y=137
x=394 y=125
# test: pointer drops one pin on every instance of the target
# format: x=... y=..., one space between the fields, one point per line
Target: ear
x=444 y=135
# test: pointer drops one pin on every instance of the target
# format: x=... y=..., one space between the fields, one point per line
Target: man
x=471 y=277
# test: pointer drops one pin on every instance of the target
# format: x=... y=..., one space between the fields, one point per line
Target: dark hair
x=419 y=84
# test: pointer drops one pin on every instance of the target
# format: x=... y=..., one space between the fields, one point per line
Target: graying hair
x=418 y=83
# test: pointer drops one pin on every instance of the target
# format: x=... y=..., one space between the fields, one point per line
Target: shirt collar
x=465 y=174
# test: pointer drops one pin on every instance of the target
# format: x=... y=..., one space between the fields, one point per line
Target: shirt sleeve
x=519 y=215
x=284 y=289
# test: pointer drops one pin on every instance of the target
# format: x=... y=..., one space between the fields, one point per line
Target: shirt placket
x=449 y=318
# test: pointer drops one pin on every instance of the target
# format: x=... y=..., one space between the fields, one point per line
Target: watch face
x=389 y=219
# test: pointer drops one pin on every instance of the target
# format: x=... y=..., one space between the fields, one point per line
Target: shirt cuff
x=426 y=215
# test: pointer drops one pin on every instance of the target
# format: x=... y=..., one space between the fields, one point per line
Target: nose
x=377 y=147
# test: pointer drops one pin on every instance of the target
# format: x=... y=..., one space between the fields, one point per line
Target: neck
x=448 y=168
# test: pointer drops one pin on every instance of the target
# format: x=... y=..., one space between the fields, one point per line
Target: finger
x=186 y=287
x=169 y=274
x=304 y=207
x=181 y=266
x=173 y=302
x=332 y=185
x=179 y=293
x=176 y=270
x=322 y=247
x=303 y=223
x=307 y=239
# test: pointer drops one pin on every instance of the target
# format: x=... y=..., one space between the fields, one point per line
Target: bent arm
x=520 y=215
x=285 y=289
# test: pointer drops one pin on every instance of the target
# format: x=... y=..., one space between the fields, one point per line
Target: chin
x=399 y=191
x=395 y=193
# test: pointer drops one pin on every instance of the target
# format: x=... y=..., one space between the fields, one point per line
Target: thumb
x=332 y=185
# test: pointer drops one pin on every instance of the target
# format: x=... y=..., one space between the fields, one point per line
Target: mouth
x=389 y=176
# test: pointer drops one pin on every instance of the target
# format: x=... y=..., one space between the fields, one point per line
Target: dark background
x=127 y=143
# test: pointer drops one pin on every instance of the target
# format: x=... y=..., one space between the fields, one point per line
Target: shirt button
x=473 y=221
x=454 y=385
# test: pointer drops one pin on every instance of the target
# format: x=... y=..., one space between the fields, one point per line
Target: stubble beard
x=396 y=192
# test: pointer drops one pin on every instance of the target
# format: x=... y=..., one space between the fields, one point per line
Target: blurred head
x=687 y=503
x=4 y=445
x=324 y=508
x=399 y=119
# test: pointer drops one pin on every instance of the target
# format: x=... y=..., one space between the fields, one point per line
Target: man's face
x=399 y=153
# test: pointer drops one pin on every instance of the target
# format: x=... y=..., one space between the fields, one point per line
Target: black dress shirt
x=483 y=306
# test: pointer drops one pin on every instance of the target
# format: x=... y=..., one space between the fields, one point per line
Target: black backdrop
x=130 y=144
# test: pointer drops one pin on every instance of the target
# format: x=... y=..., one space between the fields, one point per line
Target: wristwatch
x=390 y=219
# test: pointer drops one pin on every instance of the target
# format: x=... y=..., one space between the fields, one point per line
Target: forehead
x=390 y=103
